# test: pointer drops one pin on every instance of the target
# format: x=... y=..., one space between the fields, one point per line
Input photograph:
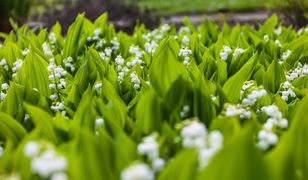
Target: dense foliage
x=205 y=103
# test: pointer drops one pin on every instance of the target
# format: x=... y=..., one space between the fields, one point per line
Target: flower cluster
x=299 y=71
x=25 y=51
x=185 y=41
x=250 y=93
x=150 y=47
x=138 y=171
x=253 y=96
x=224 y=53
x=57 y=82
x=267 y=136
x=47 y=50
x=157 y=34
x=4 y=88
x=115 y=44
x=185 y=53
x=185 y=111
x=195 y=135
x=287 y=91
x=137 y=56
x=237 y=110
x=121 y=68
x=99 y=122
x=98 y=86
x=68 y=62
x=135 y=80
x=149 y=148
x=106 y=54
x=237 y=52
x=4 y=64
x=16 y=66
x=52 y=38
x=45 y=161
x=285 y=56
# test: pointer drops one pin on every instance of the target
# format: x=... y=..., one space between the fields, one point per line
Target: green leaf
x=10 y=129
x=43 y=121
x=165 y=68
x=149 y=112
x=34 y=74
x=274 y=76
x=234 y=84
x=269 y=25
x=74 y=39
x=182 y=167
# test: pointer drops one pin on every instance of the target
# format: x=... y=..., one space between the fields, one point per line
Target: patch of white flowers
x=237 y=110
x=185 y=111
x=4 y=88
x=57 y=82
x=185 y=41
x=150 y=47
x=115 y=44
x=277 y=43
x=137 y=56
x=149 y=147
x=224 y=53
x=253 y=96
x=47 y=50
x=237 y=52
x=121 y=68
x=196 y=135
x=135 y=80
x=267 y=137
x=69 y=63
x=25 y=51
x=4 y=64
x=98 y=86
x=285 y=56
x=52 y=38
x=157 y=34
x=138 y=171
x=185 y=53
x=45 y=161
x=99 y=122
x=16 y=66
x=250 y=93
x=302 y=31
x=299 y=71
x=106 y=54
x=287 y=91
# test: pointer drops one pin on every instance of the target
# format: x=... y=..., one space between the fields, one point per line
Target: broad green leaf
x=10 y=129
x=274 y=76
x=234 y=84
x=182 y=167
x=165 y=68
x=43 y=121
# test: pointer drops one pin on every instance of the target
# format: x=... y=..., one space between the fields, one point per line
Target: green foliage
x=198 y=103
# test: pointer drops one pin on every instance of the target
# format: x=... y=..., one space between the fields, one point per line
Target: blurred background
x=125 y=14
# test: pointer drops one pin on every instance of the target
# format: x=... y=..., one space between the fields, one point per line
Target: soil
x=124 y=18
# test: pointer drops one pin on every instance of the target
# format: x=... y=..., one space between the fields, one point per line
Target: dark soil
x=123 y=17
